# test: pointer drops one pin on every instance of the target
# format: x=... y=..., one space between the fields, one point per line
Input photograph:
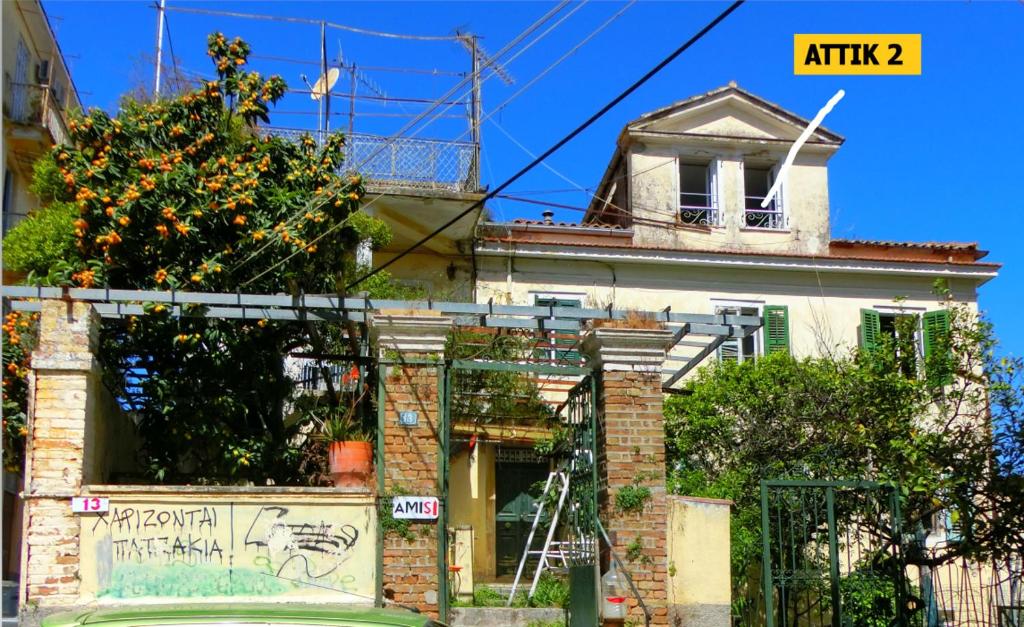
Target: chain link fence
x=405 y=162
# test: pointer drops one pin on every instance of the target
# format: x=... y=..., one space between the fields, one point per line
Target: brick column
x=411 y=463
x=631 y=455
x=61 y=408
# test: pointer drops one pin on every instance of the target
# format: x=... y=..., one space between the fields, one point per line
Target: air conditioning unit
x=43 y=72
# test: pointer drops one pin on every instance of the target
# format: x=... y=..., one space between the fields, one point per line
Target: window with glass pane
x=757 y=181
x=902 y=328
x=697 y=194
x=738 y=349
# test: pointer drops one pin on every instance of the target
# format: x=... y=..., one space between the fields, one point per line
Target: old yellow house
x=677 y=223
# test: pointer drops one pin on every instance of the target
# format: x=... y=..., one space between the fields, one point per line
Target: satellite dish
x=324 y=84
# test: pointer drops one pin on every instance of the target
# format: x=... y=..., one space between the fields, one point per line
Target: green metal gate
x=580 y=416
x=823 y=564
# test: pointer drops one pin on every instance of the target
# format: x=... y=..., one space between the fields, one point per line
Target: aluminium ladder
x=551 y=547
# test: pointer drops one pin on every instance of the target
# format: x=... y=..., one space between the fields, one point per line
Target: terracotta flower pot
x=351 y=463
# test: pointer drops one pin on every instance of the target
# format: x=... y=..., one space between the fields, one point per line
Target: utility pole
x=475 y=109
x=327 y=82
x=159 y=46
x=352 y=101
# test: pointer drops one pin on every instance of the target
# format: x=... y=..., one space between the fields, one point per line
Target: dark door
x=515 y=509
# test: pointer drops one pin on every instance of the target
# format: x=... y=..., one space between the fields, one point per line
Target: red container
x=351 y=464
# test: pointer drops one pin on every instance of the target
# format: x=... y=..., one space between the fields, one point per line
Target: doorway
x=515 y=507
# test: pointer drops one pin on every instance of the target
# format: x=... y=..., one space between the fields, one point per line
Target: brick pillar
x=631 y=455
x=61 y=408
x=411 y=463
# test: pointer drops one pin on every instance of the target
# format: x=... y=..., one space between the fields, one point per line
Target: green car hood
x=213 y=613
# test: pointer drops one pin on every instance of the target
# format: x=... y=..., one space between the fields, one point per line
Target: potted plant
x=349 y=451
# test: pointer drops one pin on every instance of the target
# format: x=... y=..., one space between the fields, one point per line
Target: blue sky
x=934 y=157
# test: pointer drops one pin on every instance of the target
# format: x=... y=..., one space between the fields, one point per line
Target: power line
x=174 y=58
x=304 y=20
x=617 y=210
x=565 y=56
x=572 y=135
x=365 y=68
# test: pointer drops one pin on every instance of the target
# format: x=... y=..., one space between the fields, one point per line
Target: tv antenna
x=358 y=78
x=483 y=58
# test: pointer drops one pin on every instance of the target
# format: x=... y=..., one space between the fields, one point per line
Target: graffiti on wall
x=233 y=549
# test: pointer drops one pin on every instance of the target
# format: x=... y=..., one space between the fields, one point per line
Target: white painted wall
x=824 y=307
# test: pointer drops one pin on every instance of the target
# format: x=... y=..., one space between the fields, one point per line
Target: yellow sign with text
x=857 y=54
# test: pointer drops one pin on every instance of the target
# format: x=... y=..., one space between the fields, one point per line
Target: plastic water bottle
x=613 y=594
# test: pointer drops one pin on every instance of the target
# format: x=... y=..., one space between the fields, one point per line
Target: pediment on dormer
x=729 y=112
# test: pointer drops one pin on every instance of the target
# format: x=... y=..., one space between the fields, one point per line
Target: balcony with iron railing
x=405 y=162
x=770 y=217
x=36 y=105
x=697 y=209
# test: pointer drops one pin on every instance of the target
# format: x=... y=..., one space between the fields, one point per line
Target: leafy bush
x=552 y=591
x=631 y=498
x=485 y=596
x=48 y=234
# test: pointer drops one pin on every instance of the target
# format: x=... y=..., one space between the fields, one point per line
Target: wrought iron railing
x=27 y=103
x=697 y=209
x=758 y=217
x=406 y=162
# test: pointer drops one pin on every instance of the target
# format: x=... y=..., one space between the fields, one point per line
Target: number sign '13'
x=89 y=504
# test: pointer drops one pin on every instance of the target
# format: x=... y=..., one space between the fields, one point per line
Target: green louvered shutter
x=776 y=329
x=936 y=337
x=870 y=328
x=566 y=347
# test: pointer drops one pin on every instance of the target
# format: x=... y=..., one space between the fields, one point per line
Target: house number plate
x=408 y=418
x=89 y=504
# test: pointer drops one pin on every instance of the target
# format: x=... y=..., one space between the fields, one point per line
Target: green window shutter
x=936 y=329
x=561 y=345
x=776 y=329
x=936 y=337
x=870 y=328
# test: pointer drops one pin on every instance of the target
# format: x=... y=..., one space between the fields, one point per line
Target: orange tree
x=186 y=194
x=18 y=337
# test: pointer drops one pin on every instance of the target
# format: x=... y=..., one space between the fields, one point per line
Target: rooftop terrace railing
x=406 y=162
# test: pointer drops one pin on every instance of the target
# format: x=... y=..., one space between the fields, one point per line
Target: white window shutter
x=715 y=188
x=780 y=197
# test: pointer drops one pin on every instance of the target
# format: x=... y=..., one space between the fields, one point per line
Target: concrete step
x=507 y=616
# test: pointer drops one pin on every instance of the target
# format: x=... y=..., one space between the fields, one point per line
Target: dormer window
x=757 y=180
x=698 y=193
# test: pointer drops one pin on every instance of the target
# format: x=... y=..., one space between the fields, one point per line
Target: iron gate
x=580 y=420
x=831 y=554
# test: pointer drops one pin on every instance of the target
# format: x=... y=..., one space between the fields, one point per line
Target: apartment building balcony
x=414 y=184
x=35 y=118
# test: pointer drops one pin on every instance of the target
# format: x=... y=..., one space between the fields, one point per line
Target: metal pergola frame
x=120 y=303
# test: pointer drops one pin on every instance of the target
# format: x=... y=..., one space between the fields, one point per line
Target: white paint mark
x=815 y=123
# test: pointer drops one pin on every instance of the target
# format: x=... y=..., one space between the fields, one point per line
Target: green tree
x=951 y=444
x=187 y=193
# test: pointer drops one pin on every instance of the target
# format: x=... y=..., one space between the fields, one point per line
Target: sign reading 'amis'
x=415 y=507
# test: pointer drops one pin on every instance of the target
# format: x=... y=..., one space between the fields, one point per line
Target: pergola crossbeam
x=712 y=323
x=695 y=360
x=111 y=303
